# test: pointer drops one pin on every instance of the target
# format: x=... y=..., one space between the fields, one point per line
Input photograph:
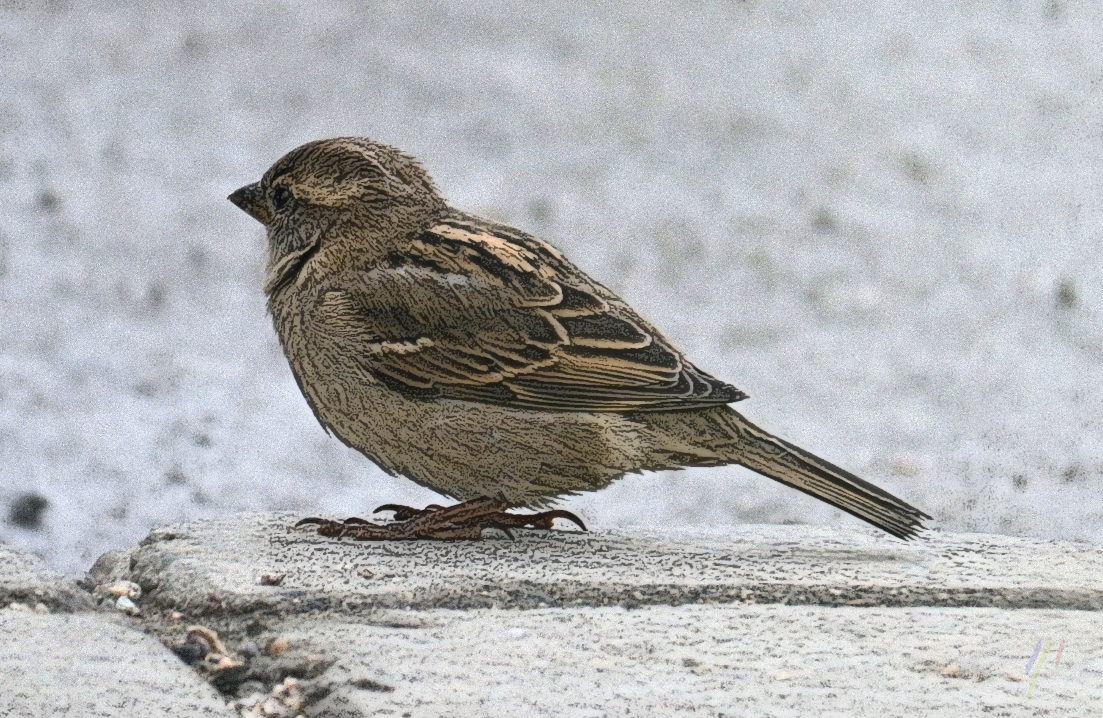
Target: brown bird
x=479 y=362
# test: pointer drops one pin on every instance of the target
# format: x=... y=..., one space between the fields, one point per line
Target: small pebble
x=127 y=606
x=126 y=588
x=285 y=700
x=204 y=635
x=225 y=662
x=188 y=652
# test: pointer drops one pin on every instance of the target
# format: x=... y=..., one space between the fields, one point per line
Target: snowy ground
x=882 y=223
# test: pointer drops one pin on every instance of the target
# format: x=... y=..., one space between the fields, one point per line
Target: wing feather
x=475 y=310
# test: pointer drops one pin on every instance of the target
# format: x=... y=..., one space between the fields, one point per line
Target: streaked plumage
x=478 y=361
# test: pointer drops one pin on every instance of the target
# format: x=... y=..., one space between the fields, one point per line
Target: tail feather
x=791 y=465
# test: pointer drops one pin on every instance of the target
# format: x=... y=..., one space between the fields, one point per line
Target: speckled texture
x=713 y=661
x=882 y=220
x=218 y=563
x=642 y=623
x=90 y=666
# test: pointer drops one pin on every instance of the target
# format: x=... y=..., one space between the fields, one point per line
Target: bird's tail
x=776 y=458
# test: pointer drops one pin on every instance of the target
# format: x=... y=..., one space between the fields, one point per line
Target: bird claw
x=405 y=513
x=397 y=508
x=464 y=521
x=352 y=520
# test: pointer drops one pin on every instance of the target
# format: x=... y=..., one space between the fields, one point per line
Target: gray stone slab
x=731 y=660
x=218 y=565
x=93 y=664
x=25 y=579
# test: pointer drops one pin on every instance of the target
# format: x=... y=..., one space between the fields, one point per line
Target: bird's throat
x=286 y=268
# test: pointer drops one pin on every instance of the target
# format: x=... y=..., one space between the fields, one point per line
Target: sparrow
x=480 y=362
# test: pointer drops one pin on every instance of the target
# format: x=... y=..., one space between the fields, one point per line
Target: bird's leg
x=464 y=521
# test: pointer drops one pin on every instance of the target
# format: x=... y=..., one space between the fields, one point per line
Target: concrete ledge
x=218 y=564
x=92 y=665
x=26 y=581
x=60 y=658
x=757 y=620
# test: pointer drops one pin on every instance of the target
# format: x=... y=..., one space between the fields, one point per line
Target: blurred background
x=883 y=223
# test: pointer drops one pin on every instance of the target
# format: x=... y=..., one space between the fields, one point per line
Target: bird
x=478 y=361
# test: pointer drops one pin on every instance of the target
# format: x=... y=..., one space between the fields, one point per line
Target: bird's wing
x=479 y=311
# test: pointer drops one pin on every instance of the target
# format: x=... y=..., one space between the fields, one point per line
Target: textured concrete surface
x=732 y=660
x=193 y=567
x=92 y=666
x=247 y=615
x=25 y=579
x=59 y=658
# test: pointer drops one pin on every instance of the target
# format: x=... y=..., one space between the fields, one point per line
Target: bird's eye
x=281 y=198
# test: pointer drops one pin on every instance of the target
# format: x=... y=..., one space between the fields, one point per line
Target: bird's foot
x=462 y=522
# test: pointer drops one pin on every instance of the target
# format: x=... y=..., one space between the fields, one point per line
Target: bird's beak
x=250 y=200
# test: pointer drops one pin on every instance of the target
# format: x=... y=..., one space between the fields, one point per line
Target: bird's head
x=347 y=188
